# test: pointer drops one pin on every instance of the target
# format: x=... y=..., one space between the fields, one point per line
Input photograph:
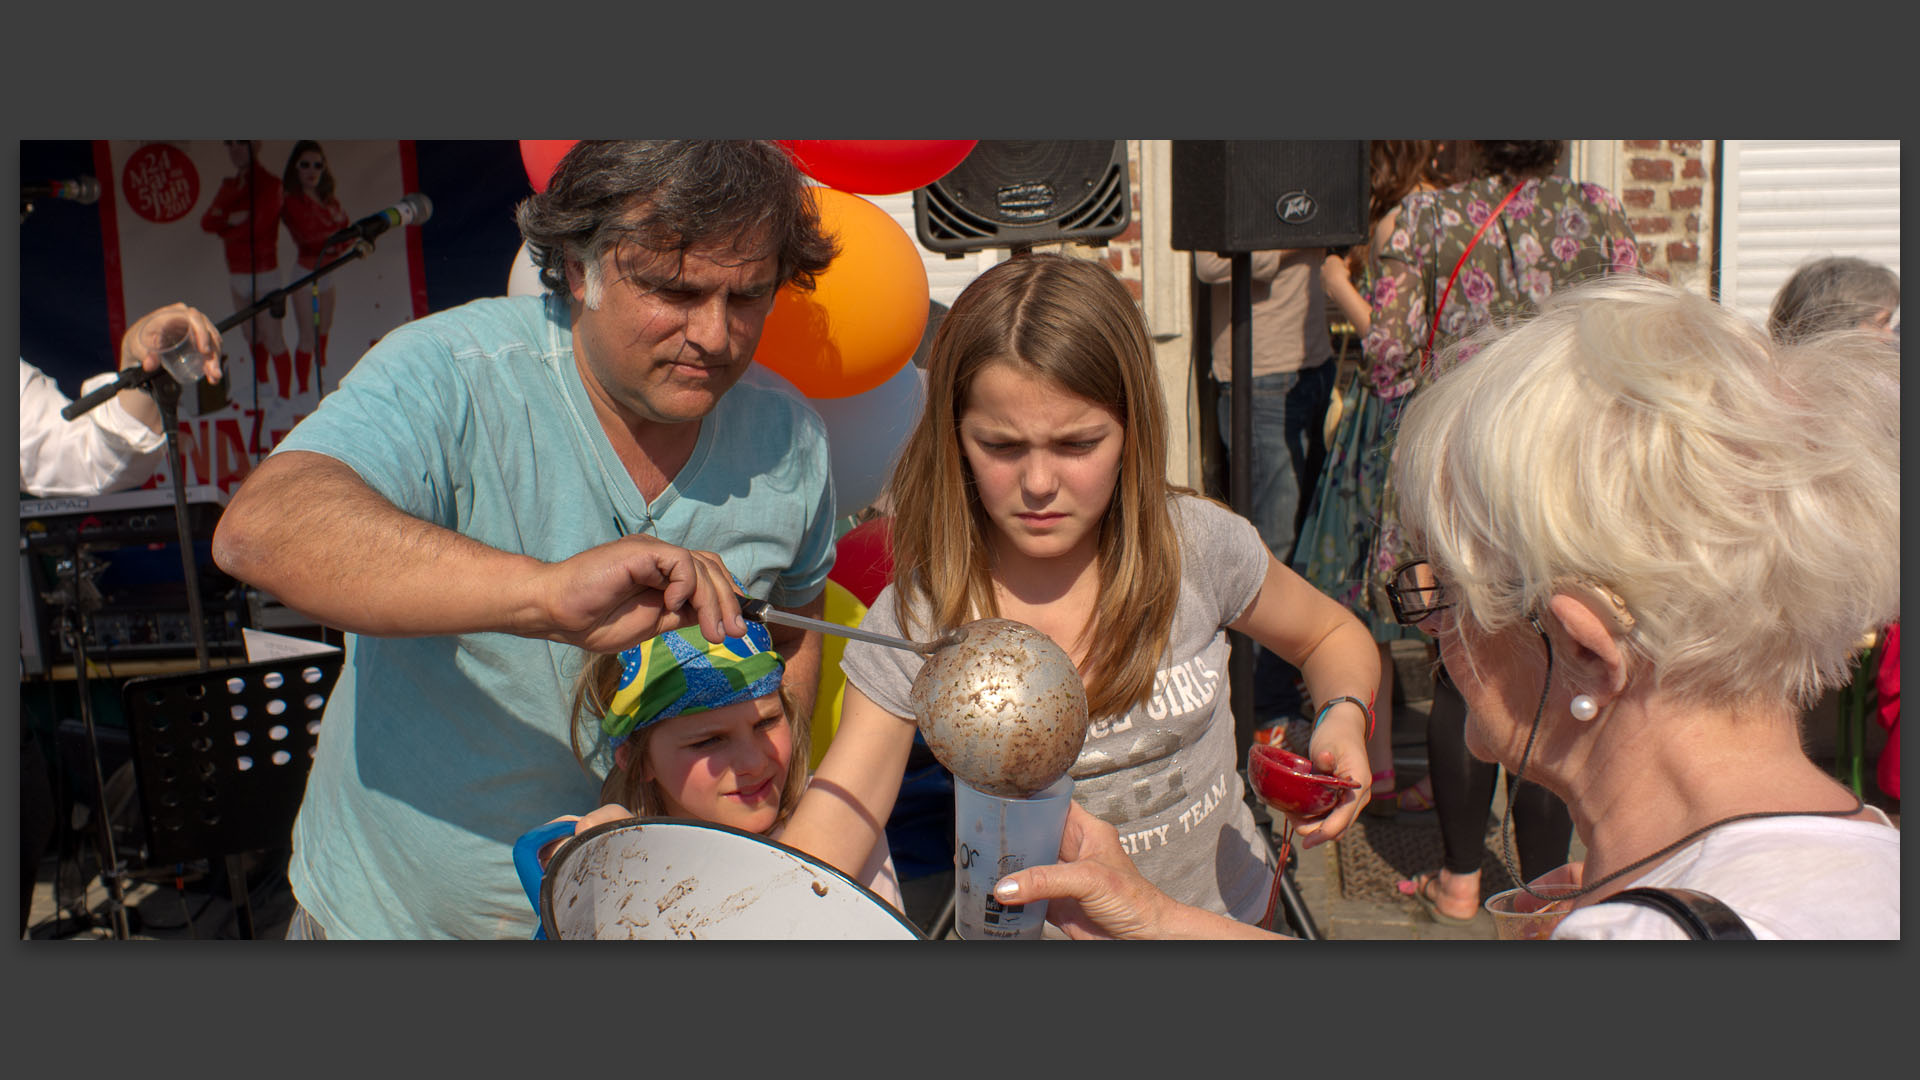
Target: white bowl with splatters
x=667 y=878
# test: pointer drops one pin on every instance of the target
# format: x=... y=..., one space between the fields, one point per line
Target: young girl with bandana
x=701 y=731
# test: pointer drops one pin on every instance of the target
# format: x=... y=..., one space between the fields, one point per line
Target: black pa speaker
x=1015 y=193
x=1269 y=195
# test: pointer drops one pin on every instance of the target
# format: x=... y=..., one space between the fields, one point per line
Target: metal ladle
x=762 y=612
x=1000 y=704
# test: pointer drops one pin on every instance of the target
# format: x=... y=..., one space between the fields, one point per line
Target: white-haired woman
x=1648 y=536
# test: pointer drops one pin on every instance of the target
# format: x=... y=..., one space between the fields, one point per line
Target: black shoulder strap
x=1704 y=918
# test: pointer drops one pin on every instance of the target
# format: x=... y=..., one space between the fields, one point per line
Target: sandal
x=1421 y=887
x=1383 y=804
x=1417 y=799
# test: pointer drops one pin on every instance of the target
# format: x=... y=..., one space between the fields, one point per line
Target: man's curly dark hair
x=673 y=195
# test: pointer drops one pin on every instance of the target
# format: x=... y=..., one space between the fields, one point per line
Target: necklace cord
x=1506 y=819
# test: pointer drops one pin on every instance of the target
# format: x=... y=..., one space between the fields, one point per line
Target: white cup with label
x=995 y=836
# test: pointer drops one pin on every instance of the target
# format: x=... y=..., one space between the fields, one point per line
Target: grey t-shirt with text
x=1164 y=774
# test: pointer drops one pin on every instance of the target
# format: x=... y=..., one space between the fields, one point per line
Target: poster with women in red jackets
x=224 y=224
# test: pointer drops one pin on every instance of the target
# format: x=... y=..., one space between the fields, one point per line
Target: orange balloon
x=863 y=320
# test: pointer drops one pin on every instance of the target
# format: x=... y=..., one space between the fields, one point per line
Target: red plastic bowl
x=1288 y=783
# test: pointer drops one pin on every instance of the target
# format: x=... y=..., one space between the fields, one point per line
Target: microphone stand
x=77 y=595
x=276 y=300
x=166 y=394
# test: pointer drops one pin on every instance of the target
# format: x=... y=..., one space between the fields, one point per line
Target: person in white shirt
x=111 y=447
x=116 y=445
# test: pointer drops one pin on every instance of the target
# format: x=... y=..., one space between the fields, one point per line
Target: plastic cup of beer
x=1520 y=916
x=994 y=836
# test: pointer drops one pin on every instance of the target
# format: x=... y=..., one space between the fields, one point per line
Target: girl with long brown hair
x=1034 y=489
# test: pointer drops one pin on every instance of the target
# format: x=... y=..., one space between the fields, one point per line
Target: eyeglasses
x=1415 y=592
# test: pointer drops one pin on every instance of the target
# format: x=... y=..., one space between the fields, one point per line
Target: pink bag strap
x=1426 y=354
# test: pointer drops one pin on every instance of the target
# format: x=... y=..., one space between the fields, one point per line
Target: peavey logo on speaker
x=1296 y=207
x=1027 y=199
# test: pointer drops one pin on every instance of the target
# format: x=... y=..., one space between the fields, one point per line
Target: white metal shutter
x=1787 y=202
x=945 y=277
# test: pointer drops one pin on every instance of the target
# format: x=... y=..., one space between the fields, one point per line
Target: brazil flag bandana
x=680 y=672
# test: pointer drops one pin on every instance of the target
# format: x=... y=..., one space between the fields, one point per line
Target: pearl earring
x=1584 y=708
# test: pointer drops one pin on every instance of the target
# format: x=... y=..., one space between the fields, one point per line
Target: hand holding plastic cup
x=1520 y=916
x=995 y=836
x=172 y=337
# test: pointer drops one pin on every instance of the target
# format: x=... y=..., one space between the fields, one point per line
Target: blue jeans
x=1289 y=410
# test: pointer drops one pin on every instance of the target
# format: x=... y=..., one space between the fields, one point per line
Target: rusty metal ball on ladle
x=1003 y=708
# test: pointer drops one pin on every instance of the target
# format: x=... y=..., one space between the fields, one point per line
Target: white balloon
x=524 y=278
x=867 y=431
x=864 y=432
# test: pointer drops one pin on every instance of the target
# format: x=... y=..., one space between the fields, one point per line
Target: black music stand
x=222 y=757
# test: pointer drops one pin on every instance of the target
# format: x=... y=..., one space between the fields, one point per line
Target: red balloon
x=878 y=166
x=863 y=560
x=541 y=156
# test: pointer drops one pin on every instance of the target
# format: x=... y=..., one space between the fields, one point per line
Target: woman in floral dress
x=1551 y=233
x=1399 y=168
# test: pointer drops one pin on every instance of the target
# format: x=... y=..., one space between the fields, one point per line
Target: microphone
x=84 y=190
x=412 y=209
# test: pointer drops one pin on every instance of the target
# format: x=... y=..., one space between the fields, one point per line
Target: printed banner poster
x=225 y=224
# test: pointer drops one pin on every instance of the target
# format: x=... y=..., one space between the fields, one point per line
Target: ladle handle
x=762 y=612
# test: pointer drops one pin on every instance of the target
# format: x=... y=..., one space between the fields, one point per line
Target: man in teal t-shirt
x=459 y=506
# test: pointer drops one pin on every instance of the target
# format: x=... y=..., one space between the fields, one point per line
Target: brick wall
x=1666 y=186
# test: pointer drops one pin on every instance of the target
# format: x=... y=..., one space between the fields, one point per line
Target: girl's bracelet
x=1365 y=707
